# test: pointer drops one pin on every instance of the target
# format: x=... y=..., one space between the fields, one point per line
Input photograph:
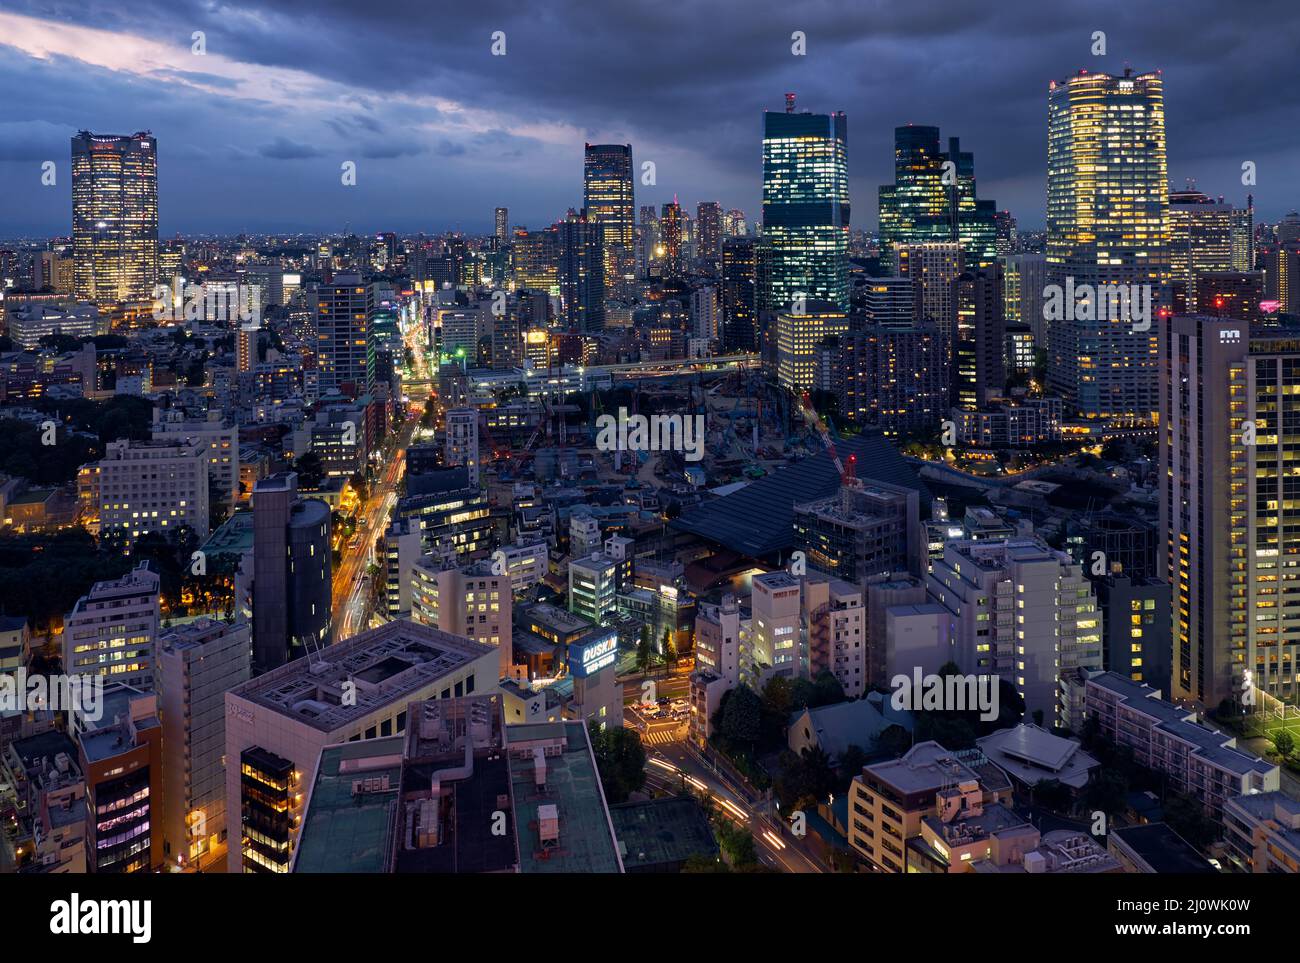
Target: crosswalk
x=663 y=737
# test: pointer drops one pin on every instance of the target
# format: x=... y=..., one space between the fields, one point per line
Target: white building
x=360 y=688
x=1024 y=612
x=113 y=631
x=834 y=631
x=774 y=644
x=199 y=662
x=462 y=441
x=153 y=486
x=28 y=323
x=584 y=535
x=471 y=601
x=525 y=564
x=221 y=438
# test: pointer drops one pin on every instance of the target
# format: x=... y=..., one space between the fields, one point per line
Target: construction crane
x=847 y=475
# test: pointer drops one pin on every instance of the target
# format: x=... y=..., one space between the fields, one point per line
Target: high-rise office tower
x=933 y=198
x=1200 y=240
x=291 y=573
x=708 y=217
x=1282 y=276
x=797 y=338
x=1229 y=509
x=344 y=342
x=536 y=256
x=609 y=198
x=114 y=216
x=670 y=239
x=739 y=295
x=1024 y=276
x=934 y=266
x=1107 y=224
x=895 y=302
x=502 y=225
x=581 y=274
x=1005 y=231
x=1230 y=294
x=978 y=345
x=1243 y=236
x=734 y=223
x=805 y=208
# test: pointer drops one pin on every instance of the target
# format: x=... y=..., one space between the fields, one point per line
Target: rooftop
x=1161 y=848
x=758 y=519
x=351 y=813
x=571 y=793
x=385 y=664
x=662 y=832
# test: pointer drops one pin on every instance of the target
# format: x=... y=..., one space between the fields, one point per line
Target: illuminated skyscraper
x=670 y=235
x=1107 y=224
x=609 y=199
x=1200 y=240
x=708 y=217
x=933 y=199
x=805 y=208
x=345 y=346
x=797 y=338
x=114 y=216
x=739 y=294
x=1228 y=510
x=502 y=225
x=581 y=274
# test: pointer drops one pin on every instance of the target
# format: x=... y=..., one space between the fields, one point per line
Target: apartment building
x=1199 y=761
x=153 y=486
x=113 y=630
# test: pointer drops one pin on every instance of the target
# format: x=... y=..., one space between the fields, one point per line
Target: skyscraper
x=1201 y=233
x=1228 y=509
x=610 y=202
x=933 y=199
x=114 y=216
x=1107 y=224
x=291 y=573
x=345 y=348
x=805 y=208
x=979 y=373
x=502 y=225
x=670 y=237
x=739 y=294
x=581 y=273
x=708 y=216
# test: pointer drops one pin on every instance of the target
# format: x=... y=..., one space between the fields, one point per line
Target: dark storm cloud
x=686 y=83
x=282 y=149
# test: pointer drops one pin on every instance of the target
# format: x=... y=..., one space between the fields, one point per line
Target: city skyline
x=252 y=132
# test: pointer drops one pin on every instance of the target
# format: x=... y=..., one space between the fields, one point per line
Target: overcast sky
x=251 y=135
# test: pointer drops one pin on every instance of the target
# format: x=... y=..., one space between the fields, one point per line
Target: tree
x=1187 y=818
x=777 y=695
x=741 y=715
x=851 y=762
x=894 y=740
x=670 y=647
x=1053 y=795
x=1284 y=743
x=620 y=760
x=643 y=650
x=1107 y=791
x=736 y=843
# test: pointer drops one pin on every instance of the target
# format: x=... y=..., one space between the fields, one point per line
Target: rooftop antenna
x=789 y=103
